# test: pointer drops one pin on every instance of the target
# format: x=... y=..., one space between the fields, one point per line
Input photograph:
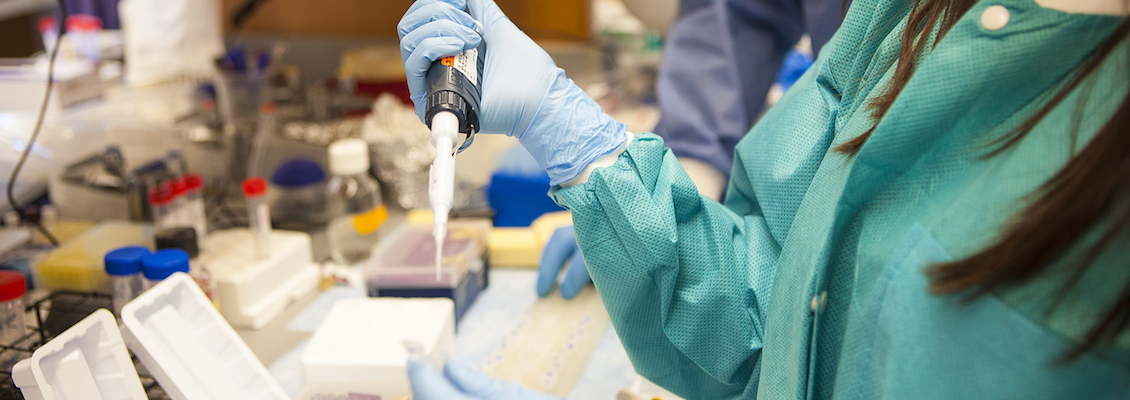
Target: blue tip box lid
x=125 y=260
x=161 y=264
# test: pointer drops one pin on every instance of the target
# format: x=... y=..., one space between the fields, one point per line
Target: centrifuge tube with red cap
x=255 y=192
x=180 y=205
x=194 y=203
x=161 y=206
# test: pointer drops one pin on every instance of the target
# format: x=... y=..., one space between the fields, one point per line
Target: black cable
x=39 y=125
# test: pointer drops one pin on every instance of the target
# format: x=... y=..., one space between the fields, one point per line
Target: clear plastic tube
x=255 y=191
x=194 y=202
x=123 y=288
x=12 y=324
x=179 y=206
x=161 y=207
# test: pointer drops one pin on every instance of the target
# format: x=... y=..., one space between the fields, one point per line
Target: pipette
x=452 y=102
x=441 y=177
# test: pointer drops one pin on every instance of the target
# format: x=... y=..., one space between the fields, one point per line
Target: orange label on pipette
x=368 y=222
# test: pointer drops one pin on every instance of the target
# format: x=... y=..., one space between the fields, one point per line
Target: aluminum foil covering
x=402 y=150
x=323 y=133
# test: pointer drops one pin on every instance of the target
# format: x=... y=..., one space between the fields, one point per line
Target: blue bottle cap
x=125 y=261
x=161 y=264
x=297 y=173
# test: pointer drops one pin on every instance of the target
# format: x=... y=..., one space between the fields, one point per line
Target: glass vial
x=354 y=201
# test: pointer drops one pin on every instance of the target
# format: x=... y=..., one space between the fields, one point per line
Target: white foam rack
x=194 y=354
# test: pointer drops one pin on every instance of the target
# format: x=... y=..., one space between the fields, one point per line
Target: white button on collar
x=994 y=18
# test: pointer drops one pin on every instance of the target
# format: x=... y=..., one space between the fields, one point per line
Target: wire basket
x=54 y=314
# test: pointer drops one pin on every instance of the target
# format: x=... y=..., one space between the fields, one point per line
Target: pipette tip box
x=362 y=347
x=404 y=264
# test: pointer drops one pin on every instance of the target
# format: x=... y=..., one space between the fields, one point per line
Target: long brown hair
x=1091 y=191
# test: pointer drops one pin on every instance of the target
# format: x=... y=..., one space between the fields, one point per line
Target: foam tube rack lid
x=87 y=361
x=188 y=347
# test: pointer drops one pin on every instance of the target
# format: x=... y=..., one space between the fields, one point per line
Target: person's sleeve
x=686 y=280
x=683 y=277
x=720 y=59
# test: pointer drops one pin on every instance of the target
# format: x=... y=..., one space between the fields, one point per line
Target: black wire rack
x=52 y=315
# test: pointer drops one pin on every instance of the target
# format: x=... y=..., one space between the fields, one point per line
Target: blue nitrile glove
x=562 y=246
x=525 y=95
x=461 y=382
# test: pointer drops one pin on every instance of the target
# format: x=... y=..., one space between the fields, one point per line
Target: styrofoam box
x=87 y=361
x=188 y=347
x=252 y=291
x=362 y=342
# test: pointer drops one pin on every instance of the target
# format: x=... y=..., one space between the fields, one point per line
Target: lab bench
x=511 y=293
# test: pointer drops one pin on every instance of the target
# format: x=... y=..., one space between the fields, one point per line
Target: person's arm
x=685 y=279
x=720 y=59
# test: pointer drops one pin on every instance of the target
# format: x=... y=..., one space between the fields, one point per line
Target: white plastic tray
x=88 y=361
x=192 y=352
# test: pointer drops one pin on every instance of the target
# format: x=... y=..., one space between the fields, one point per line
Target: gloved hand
x=524 y=94
x=461 y=382
x=562 y=246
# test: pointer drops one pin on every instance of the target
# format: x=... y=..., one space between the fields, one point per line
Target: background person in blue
x=938 y=209
x=720 y=58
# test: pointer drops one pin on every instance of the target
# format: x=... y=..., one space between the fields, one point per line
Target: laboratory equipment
x=518 y=189
x=179 y=206
x=123 y=265
x=163 y=263
x=49 y=30
x=402 y=266
x=184 y=238
x=298 y=194
x=77 y=265
x=13 y=286
x=523 y=246
x=24 y=79
x=87 y=361
x=454 y=87
x=82 y=30
x=187 y=346
x=361 y=342
x=250 y=291
x=355 y=203
x=255 y=192
x=161 y=207
x=194 y=203
x=267 y=128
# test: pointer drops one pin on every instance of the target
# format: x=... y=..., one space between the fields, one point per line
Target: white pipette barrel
x=441 y=177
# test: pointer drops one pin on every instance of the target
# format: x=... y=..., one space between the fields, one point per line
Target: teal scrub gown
x=809 y=281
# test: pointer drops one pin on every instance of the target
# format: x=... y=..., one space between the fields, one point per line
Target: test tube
x=162 y=263
x=194 y=202
x=161 y=207
x=180 y=204
x=255 y=191
x=124 y=267
x=12 y=323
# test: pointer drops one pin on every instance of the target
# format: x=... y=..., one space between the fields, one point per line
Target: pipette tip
x=439 y=232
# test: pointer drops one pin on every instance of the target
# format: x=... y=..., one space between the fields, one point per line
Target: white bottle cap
x=349 y=157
